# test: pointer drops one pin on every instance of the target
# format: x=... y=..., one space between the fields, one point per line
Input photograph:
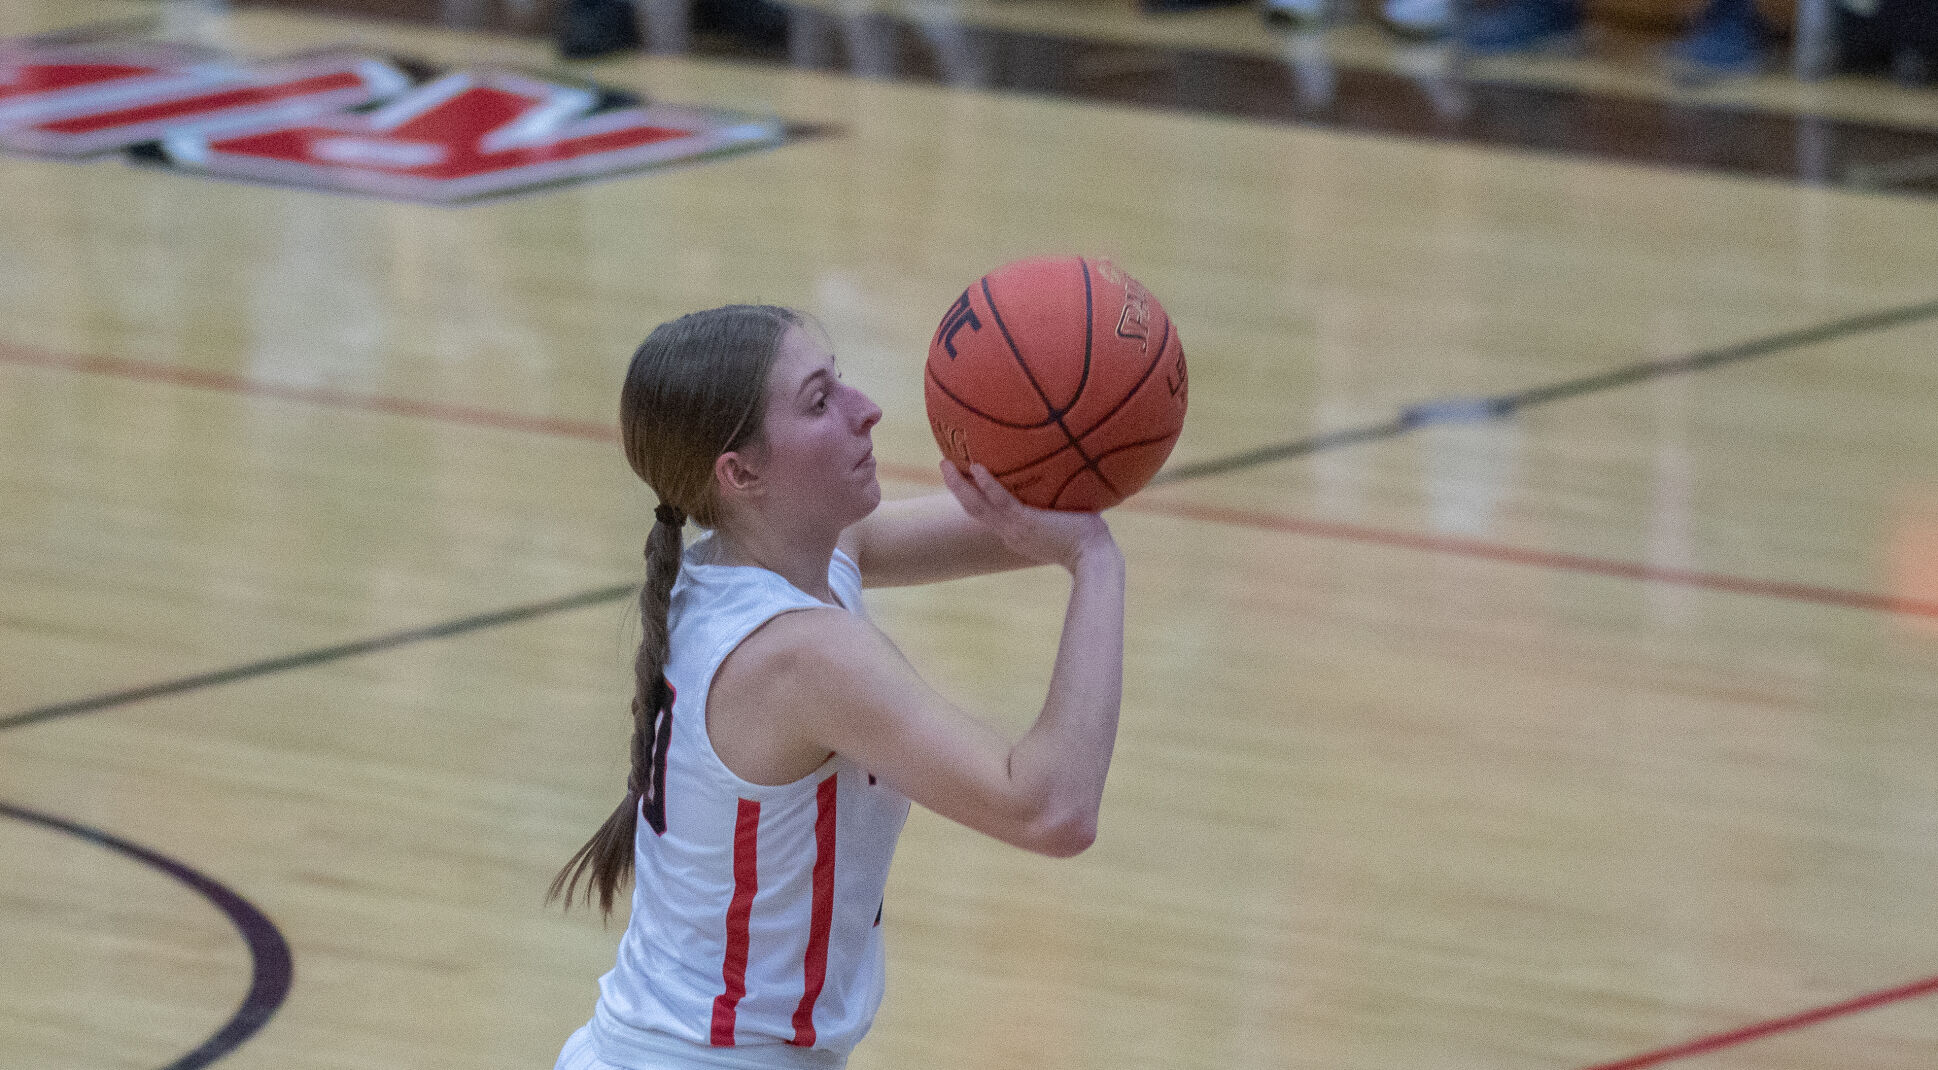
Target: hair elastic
x=669 y=515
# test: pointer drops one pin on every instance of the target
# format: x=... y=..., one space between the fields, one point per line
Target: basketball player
x=778 y=737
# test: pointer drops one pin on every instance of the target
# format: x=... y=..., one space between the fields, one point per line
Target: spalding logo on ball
x=1062 y=376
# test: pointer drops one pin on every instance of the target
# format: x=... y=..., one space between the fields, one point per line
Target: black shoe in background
x=589 y=29
x=1178 y=7
x=760 y=25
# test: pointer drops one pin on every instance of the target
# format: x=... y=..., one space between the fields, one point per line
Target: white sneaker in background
x=1417 y=18
x=1299 y=14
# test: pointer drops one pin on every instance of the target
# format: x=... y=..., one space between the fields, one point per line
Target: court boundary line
x=272 y=968
x=1479 y=549
x=1737 y=1037
x=318 y=656
x=1502 y=406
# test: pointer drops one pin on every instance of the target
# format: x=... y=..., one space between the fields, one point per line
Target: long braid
x=696 y=389
x=606 y=860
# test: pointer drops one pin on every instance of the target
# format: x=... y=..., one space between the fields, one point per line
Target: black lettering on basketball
x=1135 y=320
x=959 y=314
x=954 y=442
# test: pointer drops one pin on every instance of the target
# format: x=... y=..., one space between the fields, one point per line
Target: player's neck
x=800 y=558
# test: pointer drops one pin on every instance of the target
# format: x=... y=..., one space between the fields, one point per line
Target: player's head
x=739 y=415
x=812 y=467
x=697 y=389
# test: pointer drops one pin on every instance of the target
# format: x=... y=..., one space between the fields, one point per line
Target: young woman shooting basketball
x=778 y=737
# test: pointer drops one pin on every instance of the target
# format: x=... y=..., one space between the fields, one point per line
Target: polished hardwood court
x=1532 y=647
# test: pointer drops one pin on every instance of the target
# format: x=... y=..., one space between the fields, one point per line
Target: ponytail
x=696 y=389
x=606 y=860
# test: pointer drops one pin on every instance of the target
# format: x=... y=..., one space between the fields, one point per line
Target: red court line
x=1158 y=504
x=1515 y=555
x=316 y=395
x=1736 y=1037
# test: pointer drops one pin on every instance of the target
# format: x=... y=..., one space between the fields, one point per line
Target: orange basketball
x=1063 y=377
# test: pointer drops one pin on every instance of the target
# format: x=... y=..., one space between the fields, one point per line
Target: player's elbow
x=1065 y=837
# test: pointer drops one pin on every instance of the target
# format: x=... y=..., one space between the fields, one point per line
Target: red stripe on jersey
x=746 y=881
x=822 y=918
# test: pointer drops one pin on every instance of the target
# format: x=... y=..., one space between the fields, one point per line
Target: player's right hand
x=1051 y=536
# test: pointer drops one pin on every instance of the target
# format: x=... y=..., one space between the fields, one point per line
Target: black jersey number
x=654 y=803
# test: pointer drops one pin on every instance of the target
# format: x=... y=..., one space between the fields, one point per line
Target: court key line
x=271 y=968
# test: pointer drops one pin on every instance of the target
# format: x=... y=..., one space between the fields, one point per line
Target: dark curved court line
x=320 y=656
x=1427 y=414
x=1444 y=107
x=271 y=968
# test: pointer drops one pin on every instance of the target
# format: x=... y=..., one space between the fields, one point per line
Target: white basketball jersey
x=756 y=910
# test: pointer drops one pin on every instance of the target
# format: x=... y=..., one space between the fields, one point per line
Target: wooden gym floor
x=1533 y=647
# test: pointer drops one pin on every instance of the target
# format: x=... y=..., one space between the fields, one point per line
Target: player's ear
x=735 y=475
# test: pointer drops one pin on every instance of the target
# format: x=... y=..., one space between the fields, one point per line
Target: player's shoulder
x=809 y=641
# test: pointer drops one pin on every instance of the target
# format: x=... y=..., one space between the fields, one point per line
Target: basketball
x=1061 y=375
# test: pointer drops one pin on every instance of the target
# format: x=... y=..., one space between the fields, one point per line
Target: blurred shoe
x=1522 y=26
x=1298 y=14
x=1417 y=20
x=1913 y=69
x=759 y=24
x=1171 y=7
x=589 y=29
x=1727 y=39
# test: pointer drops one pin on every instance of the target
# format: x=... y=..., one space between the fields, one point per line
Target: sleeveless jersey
x=756 y=910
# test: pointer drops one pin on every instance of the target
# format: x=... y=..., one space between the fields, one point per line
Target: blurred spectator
x=1899 y=37
x=591 y=28
x=1727 y=36
x=1423 y=20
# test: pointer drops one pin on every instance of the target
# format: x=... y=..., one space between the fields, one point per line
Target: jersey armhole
x=746 y=788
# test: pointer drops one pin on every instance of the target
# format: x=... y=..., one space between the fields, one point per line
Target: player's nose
x=870 y=413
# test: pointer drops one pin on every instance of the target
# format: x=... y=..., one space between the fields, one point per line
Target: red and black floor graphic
x=345 y=121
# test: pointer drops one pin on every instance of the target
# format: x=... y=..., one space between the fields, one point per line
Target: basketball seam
x=997 y=315
x=944 y=387
x=1095 y=427
x=1089 y=330
x=1058 y=496
x=1056 y=415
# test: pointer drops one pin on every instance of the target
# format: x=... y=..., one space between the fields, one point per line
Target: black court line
x=1460 y=410
x=1410 y=419
x=310 y=658
x=272 y=971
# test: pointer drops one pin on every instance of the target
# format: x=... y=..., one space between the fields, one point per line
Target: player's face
x=820 y=456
